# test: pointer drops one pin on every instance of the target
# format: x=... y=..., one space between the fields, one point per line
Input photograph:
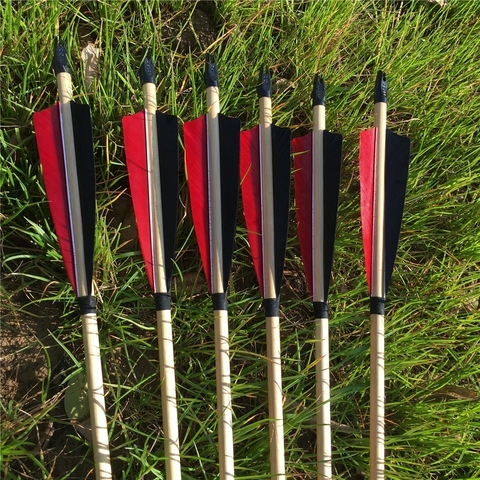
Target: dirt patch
x=27 y=350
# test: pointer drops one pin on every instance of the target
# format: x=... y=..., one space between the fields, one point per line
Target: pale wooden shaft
x=318 y=207
x=318 y=117
x=98 y=418
x=324 y=443
x=377 y=352
x=224 y=399
x=266 y=172
x=378 y=247
x=169 y=397
x=377 y=398
x=275 y=399
x=214 y=190
x=324 y=448
x=64 y=85
x=154 y=188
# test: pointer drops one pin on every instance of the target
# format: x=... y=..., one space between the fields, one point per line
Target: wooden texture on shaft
x=169 y=399
x=274 y=370
x=378 y=247
x=222 y=356
x=222 y=366
x=103 y=470
x=275 y=399
x=98 y=419
x=318 y=207
x=154 y=189
x=164 y=323
x=377 y=351
x=214 y=189
x=322 y=371
x=64 y=85
x=266 y=191
x=377 y=398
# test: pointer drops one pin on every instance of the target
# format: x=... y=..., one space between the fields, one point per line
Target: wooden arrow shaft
x=164 y=323
x=222 y=356
x=93 y=361
x=318 y=207
x=266 y=194
x=214 y=190
x=169 y=397
x=274 y=370
x=224 y=406
x=154 y=188
x=322 y=372
x=377 y=348
x=377 y=398
x=275 y=399
x=378 y=247
x=66 y=124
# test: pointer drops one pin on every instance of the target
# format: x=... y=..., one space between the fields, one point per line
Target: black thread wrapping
x=377 y=305
x=162 y=301
x=219 y=301
x=271 y=306
x=320 y=309
x=87 y=304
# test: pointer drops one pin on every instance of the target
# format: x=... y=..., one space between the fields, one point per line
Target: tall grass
x=431 y=57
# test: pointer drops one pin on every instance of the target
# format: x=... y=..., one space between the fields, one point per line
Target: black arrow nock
x=264 y=88
x=380 y=93
x=60 y=61
x=210 y=76
x=318 y=92
x=146 y=71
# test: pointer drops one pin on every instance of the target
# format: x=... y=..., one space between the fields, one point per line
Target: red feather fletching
x=136 y=154
x=367 y=178
x=195 y=134
x=49 y=141
x=251 y=197
x=302 y=150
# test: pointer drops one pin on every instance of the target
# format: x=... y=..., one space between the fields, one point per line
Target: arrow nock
x=380 y=93
x=318 y=92
x=60 y=61
x=264 y=88
x=210 y=75
x=146 y=71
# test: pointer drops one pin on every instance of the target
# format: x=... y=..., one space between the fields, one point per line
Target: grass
x=430 y=54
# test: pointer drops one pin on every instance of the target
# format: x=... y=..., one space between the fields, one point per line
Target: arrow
x=212 y=144
x=265 y=173
x=384 y=159
x=317 y=163
x=65 y=145
x=151 y=150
